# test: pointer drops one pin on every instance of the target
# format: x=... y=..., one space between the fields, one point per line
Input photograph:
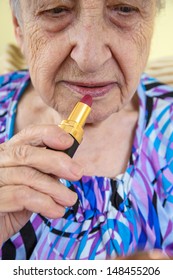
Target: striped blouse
x=111 y=217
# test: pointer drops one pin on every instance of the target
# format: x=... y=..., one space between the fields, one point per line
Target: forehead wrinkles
x=141 y=3
x=32 y=4
x=92 y=6
x=147 y=3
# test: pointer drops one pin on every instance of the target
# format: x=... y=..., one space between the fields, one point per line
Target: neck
x=106 y=146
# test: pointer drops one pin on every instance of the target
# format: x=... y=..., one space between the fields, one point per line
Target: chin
x=100 y=116
x=64 y=107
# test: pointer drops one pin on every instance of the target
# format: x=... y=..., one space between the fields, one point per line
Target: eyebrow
x=145 y=2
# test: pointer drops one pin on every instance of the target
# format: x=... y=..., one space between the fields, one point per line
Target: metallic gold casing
x=76 y=121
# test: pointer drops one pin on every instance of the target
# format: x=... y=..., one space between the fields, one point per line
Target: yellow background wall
x=6 y=29
x=162 y=44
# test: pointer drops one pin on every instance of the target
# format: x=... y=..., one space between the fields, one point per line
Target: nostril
x=89 y=58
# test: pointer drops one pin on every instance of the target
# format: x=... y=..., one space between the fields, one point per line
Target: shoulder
x=13 y=77
x=157 y=111
x=12 y=82
x=156 y=89
x=157 y=99
x=156 y=149
x=12 y=86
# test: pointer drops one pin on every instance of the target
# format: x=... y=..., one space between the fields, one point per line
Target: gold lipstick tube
x=75 y=123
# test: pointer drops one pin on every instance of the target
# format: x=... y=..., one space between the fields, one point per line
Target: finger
x=39 y=181
x=148 y=255
x=47 y=161
x=42 y=135
x=19 y=198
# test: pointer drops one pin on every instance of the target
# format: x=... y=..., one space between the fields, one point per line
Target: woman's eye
x=57 y=11
x=56 y=18
x=123 y=15
x=124 y=10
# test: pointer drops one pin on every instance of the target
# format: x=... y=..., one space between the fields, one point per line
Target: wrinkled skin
x=87 y=44
x=89 y=41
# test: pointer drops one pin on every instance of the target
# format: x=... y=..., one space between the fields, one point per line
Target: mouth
x=94 y=89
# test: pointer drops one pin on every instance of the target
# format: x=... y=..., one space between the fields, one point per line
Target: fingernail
x=66 y=139
x=77 y=169
x=74 y=197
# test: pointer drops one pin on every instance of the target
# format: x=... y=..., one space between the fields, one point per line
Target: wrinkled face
x=78 y=47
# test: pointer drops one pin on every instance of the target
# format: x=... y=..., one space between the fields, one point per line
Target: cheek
x=33 y=45
x=44 y=54
x=142 y=40
x=132 y=62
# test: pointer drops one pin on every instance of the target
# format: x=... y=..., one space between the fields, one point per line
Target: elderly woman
x=114 y=197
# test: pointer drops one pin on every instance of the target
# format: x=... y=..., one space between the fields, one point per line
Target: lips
x=93 y=89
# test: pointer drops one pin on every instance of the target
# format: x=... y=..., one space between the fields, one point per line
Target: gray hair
x=15 y=4
x=160 y=4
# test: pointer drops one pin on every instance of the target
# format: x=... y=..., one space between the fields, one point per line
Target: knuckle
x=4 y=176
x=31 y=174
x=20 y=153
x=27 y=130
x=18 y=175
x=23 y=134
x=2 y=147
x=21 y=194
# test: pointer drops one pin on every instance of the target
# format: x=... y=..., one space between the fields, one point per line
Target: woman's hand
x=29 y=177
x=155 y=254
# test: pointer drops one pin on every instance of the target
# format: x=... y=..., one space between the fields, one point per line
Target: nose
x=90 y=48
